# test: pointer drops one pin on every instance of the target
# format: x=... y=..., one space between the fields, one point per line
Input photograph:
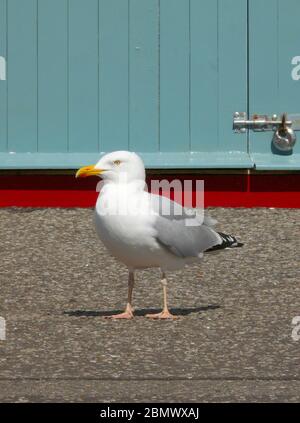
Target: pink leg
x=128 y=313
x=165 y=314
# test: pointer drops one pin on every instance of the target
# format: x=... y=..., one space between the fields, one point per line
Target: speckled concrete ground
x=232 y=342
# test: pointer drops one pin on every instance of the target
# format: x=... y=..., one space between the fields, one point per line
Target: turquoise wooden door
x=274 y=74
x=160 y=77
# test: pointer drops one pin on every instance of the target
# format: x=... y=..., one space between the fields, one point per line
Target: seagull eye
x=117 y=162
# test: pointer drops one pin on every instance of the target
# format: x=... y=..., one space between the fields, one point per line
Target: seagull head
x=118 y=167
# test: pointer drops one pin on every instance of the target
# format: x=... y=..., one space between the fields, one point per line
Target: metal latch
x=284 y=128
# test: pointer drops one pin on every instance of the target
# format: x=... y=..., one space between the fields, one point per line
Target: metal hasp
x=284 y=137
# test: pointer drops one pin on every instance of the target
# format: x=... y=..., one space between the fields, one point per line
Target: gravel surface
x=232 y=341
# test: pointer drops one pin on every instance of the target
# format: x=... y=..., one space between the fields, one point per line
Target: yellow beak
x=86 y=171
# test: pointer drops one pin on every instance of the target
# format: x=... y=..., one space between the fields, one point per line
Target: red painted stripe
x=282 y=190
x=54 y=198
x=252 y=199
x=47 y=198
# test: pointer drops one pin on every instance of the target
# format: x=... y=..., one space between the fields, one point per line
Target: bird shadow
x=140 y=312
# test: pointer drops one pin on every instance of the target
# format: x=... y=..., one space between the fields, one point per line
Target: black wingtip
x=228 y=241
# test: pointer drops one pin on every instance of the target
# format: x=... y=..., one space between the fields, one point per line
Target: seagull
x=145 y=230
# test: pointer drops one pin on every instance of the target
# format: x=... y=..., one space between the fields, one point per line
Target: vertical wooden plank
x=263 y=65
x=144 y=85
x=288 y=47
x=3 y=83
x=204 y=86
x=232 y=53
x=287 y=41
x=272 y=89
x=83 y=76
x=174 y=75
x=52 y=75
x=22 y=80
x=113 y=74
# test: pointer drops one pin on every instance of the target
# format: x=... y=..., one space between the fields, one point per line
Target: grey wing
x=180 y=230
x=174 y=211
x=185 y=241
